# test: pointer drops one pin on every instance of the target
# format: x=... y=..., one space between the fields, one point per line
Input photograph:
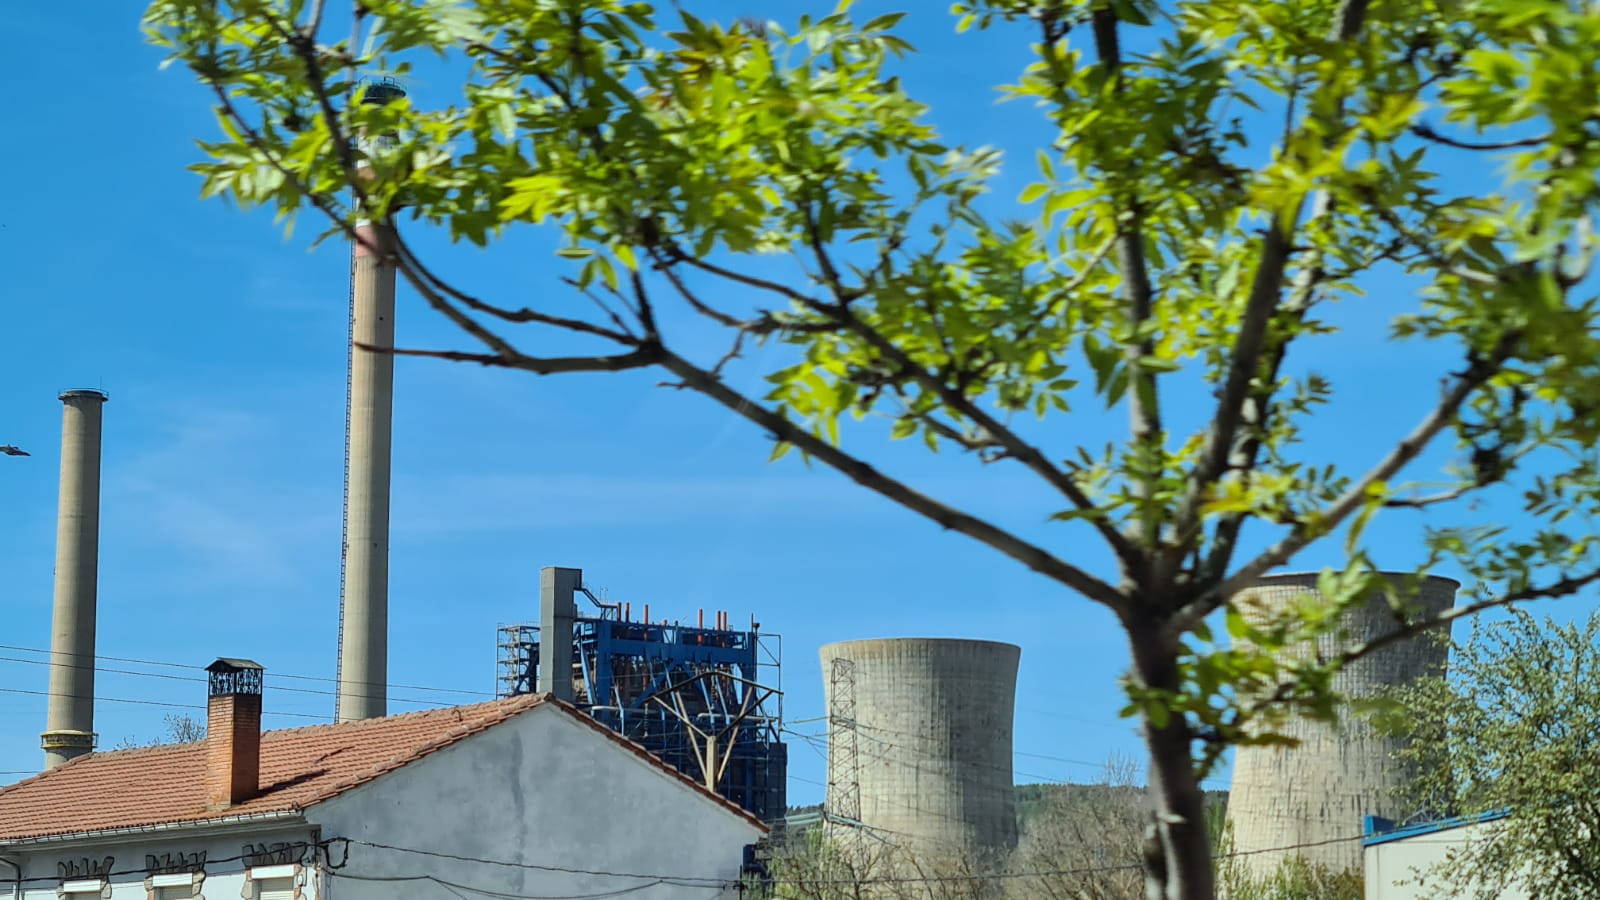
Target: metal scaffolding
x=686 y=694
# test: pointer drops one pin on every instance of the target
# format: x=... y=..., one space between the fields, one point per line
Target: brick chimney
x=233 y=732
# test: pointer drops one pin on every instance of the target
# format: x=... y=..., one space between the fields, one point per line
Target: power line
x=712 y=881
x=682 y=880
x=453 y=888
x=175 y=665
x=150 y=703
x=185 y=678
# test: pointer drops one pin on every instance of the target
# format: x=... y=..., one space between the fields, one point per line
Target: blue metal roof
x=1378 y=830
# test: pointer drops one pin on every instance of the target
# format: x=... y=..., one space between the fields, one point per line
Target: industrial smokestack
x=558 y=612
x=364 y=595
x=69 y=723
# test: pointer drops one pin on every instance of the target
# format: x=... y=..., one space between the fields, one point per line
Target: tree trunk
x=1180 y=867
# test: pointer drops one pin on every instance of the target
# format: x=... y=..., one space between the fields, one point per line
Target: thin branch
x=306 y=49
x=523 y=315
x=643 y=357
x=1039 y=560
x=610 y=313
x=1426 y=132
x=1015 y=447
x=676 y=254
x=314 y=22
x=1566 y=586
x=1063 y=293
x=694 y=301
x=1430 y=499
x=1329 y=519
x=1243 y=369
x=1238 y=406
x=253 y=138
x=1144 y=402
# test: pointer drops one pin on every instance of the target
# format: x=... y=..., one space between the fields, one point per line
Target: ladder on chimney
x=344 y=510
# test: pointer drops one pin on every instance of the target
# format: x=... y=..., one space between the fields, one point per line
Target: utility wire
x=152 y=703
x=682 y=880
x=175 y=665
x=186 y=678
x=698 y=881
x=453 y=888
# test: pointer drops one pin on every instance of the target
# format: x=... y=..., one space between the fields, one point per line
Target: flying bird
x=13 y=450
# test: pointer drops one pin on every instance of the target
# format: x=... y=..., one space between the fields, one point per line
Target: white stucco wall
x=225 y=872
x=540 y=790
x=1393 y=866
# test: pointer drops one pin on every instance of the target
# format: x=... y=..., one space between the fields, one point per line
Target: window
x=274 y=889
x=273 y=882
x=174 y=886
x=86 y=889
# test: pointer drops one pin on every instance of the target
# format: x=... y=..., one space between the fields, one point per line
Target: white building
x=1396 y=860
x=524 y=797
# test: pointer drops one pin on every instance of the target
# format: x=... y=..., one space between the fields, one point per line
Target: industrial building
x=919 y=746
x=1314 y=797
x=503 y=798
x=704 y=700
x=1396 y=857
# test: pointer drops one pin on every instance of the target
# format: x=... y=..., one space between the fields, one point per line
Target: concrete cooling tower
x=919 y=747
x=1313 y=797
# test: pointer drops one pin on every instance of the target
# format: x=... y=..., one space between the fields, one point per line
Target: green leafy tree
x=1514 y=727
x=719 y=186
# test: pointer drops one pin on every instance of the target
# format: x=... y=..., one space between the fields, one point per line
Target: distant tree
x=1216 y=176
x=1293 y=879
x=1089 y=837
x=181 y=728
x=1516 y=725
x=825 y=864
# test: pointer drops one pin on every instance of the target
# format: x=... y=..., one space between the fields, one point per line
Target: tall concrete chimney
x=69 y=722
x=233 y=732
x=558 y=610
x=363 y=666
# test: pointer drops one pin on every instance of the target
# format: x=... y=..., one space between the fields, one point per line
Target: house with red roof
x=526 y=797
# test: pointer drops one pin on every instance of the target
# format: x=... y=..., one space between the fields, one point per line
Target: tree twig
x=1035 y=558
x=539 y=365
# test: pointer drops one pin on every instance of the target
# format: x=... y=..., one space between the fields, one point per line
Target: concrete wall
x=224 y=875
x=543 y=791
x=1314 y=796
x=1392 y=865
x=931 y=746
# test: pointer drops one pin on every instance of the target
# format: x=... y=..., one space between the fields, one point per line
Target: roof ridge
x=358 y=724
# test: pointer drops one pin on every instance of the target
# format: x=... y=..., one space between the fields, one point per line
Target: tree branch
x=1426 y=132
x=523 y=315
x=1440 y=417
x=1144 y=405
x=1237 y=405
x=1039 y=560
x=647 y=355
x=1566 y=586
x=1015 y=447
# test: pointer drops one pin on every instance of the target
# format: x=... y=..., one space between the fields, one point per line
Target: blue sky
x=222 y=346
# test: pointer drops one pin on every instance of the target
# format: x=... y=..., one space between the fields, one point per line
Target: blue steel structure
x=620 y=666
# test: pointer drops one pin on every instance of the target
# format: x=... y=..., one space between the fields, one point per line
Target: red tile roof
x=300 y=767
